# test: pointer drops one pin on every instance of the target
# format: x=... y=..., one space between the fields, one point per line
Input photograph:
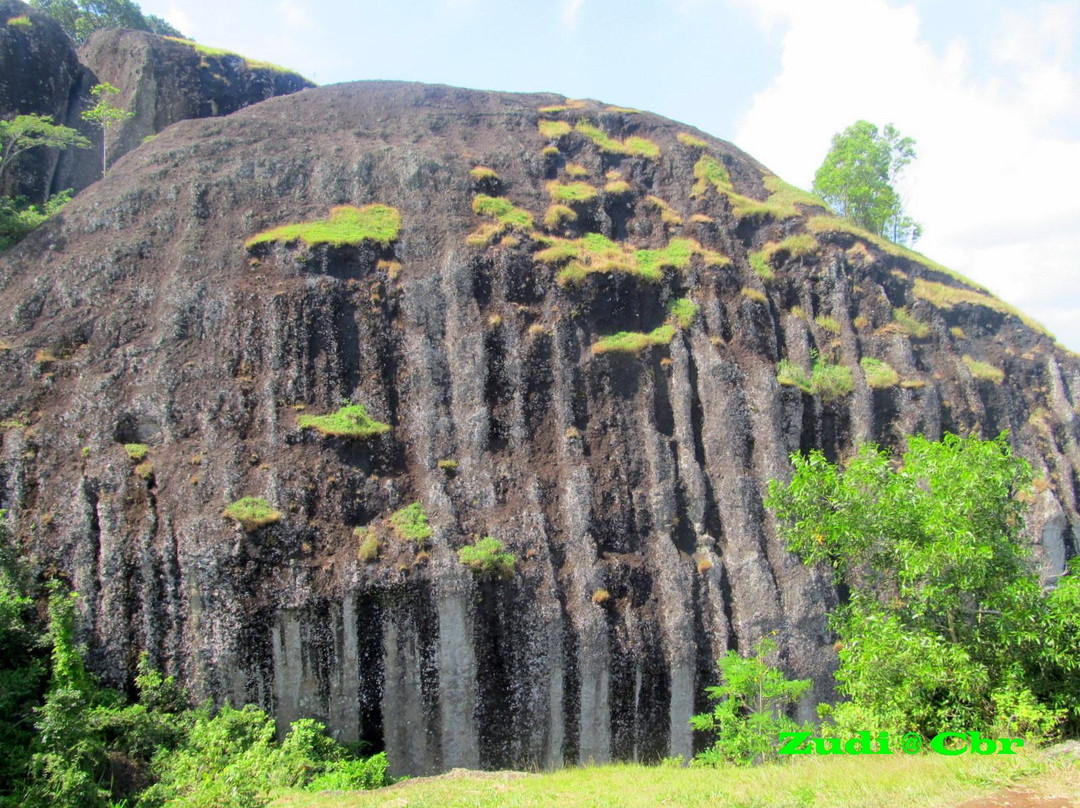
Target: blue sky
x=990 y=90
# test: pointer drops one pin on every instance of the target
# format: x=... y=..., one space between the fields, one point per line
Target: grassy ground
x=839 y=782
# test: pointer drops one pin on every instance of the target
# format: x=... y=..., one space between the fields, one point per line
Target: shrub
x=600 y=596
x=760 y=264
x=22 y=21
x=352 y=775
x=684 y=310
x=556 y=215
x=350 y=421
x=411 y=524
x=136 y=451
x=751 y=708
x=18 y=217
x=252 y=513
x=984 y=371
x=879 y=374
x=347 y=225
x=633 y=342
x=487 y=558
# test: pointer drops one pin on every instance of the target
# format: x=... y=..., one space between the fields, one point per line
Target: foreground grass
x=922 y=781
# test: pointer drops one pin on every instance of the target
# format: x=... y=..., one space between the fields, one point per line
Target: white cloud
x=993 y=183
x=176 y=17
x=571 y=10
x=295 y=15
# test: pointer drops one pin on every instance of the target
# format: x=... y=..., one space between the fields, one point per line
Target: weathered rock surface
x=138 y=316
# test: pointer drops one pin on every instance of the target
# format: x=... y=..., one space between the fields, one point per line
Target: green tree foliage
x=752 y=701
x=25 y=132
x=18 y=216
x=104 y=115
x=941 y=604
x=858 y=180
x=80 y=18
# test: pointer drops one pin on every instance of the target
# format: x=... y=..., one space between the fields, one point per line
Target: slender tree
x=105 y=115
x=25 y=132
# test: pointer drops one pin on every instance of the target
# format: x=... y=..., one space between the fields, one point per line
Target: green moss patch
x=826 y=380
x=136 y=451
x=984 y=371
x=350 y=421
x=633 y=342
x=830 y=324
x=791 y=375
x=483 y=173
x=689 y=140
x=710 y=171
x=347 y=225
x=904 y=323
x=557 y=215
x=633 y=146
x=594 y=253
x=502 y=210
x=252 y=513
x=572 y=192
x=411 y=524
x=553 y=130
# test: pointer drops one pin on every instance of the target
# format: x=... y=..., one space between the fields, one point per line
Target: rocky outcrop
x=161 y=81
x=627 y=483
x=39 y=74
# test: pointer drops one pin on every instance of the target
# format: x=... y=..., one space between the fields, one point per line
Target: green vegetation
x=689 y=140
x=105 y=116
x=595 y=253
x=571 y=192
x=830 y=324
x=350 y=421
x=984 y=371
x=483 y=173
x=858 y=178
x=798 y=245
x=759 y=263
x=411 y=524
x=252 y=513
x=710 y=171
x=677 y=254
x=791 y=375
x=947 y=297
x=684 y=310
x=80 y=18
x=18 y=217
x=347 y=225
x=369 y=548
x=557 y=215
x=633 y=342
x=905 y=323
x=576 y=170
x=826 y=380
x=22 y=21
x=785 y=196
x=206 y=51
x=756 y=295
x=668 y=214
x=946 y=624
x=487 y=558
x=752 y=701
x=136 y=451
x=503 y=211
x=633 y=146
x=879 y=375
x=617 y=187
x=553 y=130
x=781 y=203
x=911 y=781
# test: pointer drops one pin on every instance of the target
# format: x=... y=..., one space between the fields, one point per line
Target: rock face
x=627 y=483
x=161 y=81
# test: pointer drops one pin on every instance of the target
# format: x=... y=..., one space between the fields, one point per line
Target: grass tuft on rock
x=346 y=226
x=633 y=342
x=571 y=192
x=879 y=375
x=487 y=558
x=553 y=130
x=984 y=371
x=136 y=451
x=684 y=310
x=689 y=140
x=633 y=146
x=350 y=421
x=252 y=513
x=411 y=524
x=502 y=210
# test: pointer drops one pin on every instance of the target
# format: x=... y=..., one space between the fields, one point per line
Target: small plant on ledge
x=350 y=421
x=411 y=524
x=487 y=559
x=252 y=513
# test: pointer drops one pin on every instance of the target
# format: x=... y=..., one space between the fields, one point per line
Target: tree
x=105 y=116
x=80 y=18
x=859 y=176
x=751 y=703
x=25 y=132
x=941 y=604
